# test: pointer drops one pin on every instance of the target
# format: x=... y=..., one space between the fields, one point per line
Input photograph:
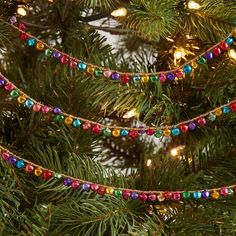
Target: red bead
x=125 y=78
x=101 y=190
x=75 y=184
x=183 y=128
x=22 y=26
x=94 y=187
x=29 y=168
x=152 y=197
x=9 y=87
x=216 y=51
x=167 y=195
x=224 y=46
x=179 y=74
x=176 y=196
x=24 y=36
x=133 y=134
x=224 y=191
x=36 y=107
x=150 y=131
x=201 y=121
x=143 y=196
x=96 y=129
x=86 y=125
x=5 y=156
x=47 y=174
x=45 y=109
x=232 y=106
x=73 y=64
x=64 y=60
x=125 y=194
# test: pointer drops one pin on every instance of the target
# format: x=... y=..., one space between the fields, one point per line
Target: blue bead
x=170 y=76
x=229 y=40
x=20 y=164
x=175 y=131
x=209 y=55
x=31 y=42
x=187 y=69
x=86 y=187
x=12 y=160
x=56 y=54
x=115 y=76
x=76 y=123
x=124 y=132
x=136 y=78
x=226 y=109
x=82 y=66
x=67 y=181
x=197 y=194
x=205 y=194
x=2 y=82
x=29 y=103
x=134 y=195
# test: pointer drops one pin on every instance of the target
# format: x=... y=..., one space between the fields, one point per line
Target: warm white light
x=149 y=162
x=119 y=12
x=130 y=114
x=174 y=152
x=21 y=10
x=178 y=54
x=232 y=54
x=193 y=5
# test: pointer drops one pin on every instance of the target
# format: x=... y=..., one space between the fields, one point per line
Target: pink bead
x=126 y=194
x=94 y=187
x=64 y=60
x=162 y=78
x=107 y=73
x=152 y=197
x=36 y=107
x=133 y=134
x=176 y=196
x=86 y=125
x=150 y=131
x=73 y=64
x=201 y=121
x=45 y=109
x=5 y=156
x=167 y=195
x=75 y=184
x=143 y=197
x=216 y=51
x=96 y=129
x=9 y=87
x=179 y=74
x=22 y=26
x=224 y=191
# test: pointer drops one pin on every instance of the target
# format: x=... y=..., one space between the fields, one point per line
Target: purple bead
x=205 y=194
x=13 y=20
x=2 y=82
x=56 y=110
x=209 y=55
x=134 y=195
x=141 y=131
x=12 y=160
x=67 y=181
x=170 y=76
x=192 y=126
x=115 y=76
x=86 y=187
x=56 y=54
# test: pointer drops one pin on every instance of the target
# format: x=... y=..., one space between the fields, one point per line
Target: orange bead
x=90 y=70
x=215 y=195
x=21 y=99
x=145 y=79
x=68 y=120
x=218 y=112
x=39 y=46
x=38 y=171
x=109 y=190
x=116 y=132
x=167 y=132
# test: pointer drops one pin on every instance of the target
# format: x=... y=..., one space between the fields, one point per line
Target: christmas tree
x=135 y=137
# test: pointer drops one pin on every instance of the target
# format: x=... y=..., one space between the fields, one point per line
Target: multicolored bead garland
x=115 y=131
x=126 y=194
x=123 y=77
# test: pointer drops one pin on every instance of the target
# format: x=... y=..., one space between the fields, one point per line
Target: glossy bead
x=175 y=131
x=218 y=112
x=187 y=69
x=215 y=194
x=125 y=79
x=2 y=82
x=158 y=133
x=152 y=197
x=98 y=72
x=57 y=175
x=224 y=191
x=101 y=190
x=116 y=132
x=170 y=76
x=186 y=195
x=13 y=20
x=202 y=60
x=153 y=78
x=47 y=52
x=134 y=195
x=82 y=66
x=75 y=184
x=14 y=93
x=117 y=193
x=9 y=87
x=115 y=76
x=64 y=60
x=133 y=134
x=20 y=164
x=56 y=110
x=107 y=74
x=124 y=132
x=106 y=132
x=67 y=181
x=230 y=191
x=31 y=42
x=205 y=194
x=90 y=70
x=29 y=168
x=162 y=78
x=136 y=78
x=191 y=125
x=73 y=64
x=143 y=197
x=38 y=171
x=184 y=128
x=39 y=46
x=216 y=51
x=167 y=132
x=176 y=196
x=5 y=156
x=179 y=74
x=21 y=99
x=21 y=25
x=36 y=107
x=197 y=194
x=47 y=174
x=86 y=187
x=68 y=120
x=76 y=123
x=45 y=109
x=150 y=131
x=145 y=79
x=209 y=55
x=201 y=121
x=96 y=129
x=94 y=187
x=23 y=36
x=167 y=195
x=125 y=194
x=12 y=160
x=141 y=130
x=86 y=125
x=160 y=197
x=109 y=190
x=232 y=106
x=226 y=109
x=56 y=54
x=59 y=118
x=224 y=46
x=29 y=103
x=229 y=40
x=212 y=117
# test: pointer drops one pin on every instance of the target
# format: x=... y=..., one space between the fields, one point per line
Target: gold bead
x=68 y=120
x=218 y=112
x=160 y=197
x=21 y=99
x=38 y=171
x=90 y=70
x=167 y=132
x=215 y=194
x=39 y=46
x=116 y=132
x=145 y=79
x=109 y=190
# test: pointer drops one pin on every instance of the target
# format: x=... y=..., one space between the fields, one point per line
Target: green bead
x=47 y=52
x=202 y=60
x=186 y=195
x=153 y=78
x=158 y=134
x=14 y=93
x=59 y=118
x=106 y=132
x=57 y=175
x=98 y=73
x=117 y=193
x=230 y=191
x=212 y=117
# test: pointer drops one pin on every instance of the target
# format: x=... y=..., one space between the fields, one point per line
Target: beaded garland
x=115 y=131
x=123 y=77
x=75 y=183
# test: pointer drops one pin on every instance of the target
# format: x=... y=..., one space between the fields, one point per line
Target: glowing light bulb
x=130 y=114
x=232 y=54
x=21 y=10
x=149 y=162
x=193 y=5
x=174 y=152
x=120 y=12
x=178 y=54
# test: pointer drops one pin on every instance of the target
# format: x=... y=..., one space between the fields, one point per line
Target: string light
x=120 y=12
x=193 y=5
x=21 y=10
x=232 y=54
x=149 y=162
x=174 y=152
x=178 y=54
x=130 y=114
